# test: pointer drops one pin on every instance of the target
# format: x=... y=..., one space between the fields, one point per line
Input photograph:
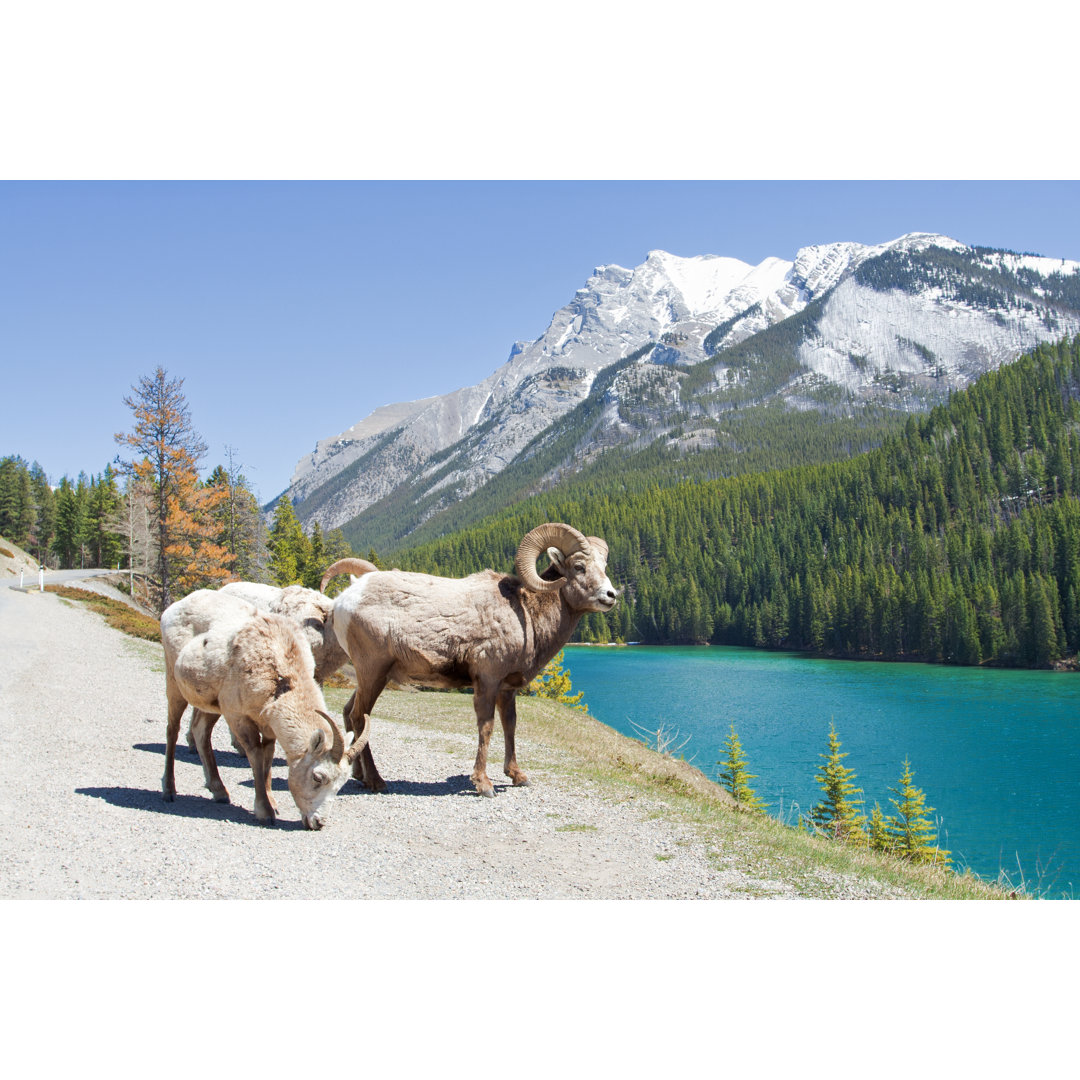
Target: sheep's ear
x=318 y=741
x=558 y=559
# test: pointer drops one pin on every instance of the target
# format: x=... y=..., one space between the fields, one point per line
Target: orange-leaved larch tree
x=167 y=452
x=196 y=560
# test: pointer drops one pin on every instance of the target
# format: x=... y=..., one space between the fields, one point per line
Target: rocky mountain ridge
x=836 y=328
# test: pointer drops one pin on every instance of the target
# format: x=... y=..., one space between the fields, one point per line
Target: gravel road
x=82 y=733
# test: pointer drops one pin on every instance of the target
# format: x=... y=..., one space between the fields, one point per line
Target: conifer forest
x=956 y=541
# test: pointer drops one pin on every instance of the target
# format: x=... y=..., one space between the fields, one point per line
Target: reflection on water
x=997 y=752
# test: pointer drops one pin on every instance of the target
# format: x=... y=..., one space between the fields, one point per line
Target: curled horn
x=337 y=749
x=356 y=567
x=567 y=539
x=600 y=547
x=360 y=741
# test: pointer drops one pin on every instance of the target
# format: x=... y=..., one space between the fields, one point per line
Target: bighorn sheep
x=492 y=631
x=308 y=610
x=255 y=669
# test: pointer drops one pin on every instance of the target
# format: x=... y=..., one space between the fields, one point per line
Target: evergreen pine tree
x=912 y=833
x=316 y=561
x=838 y=813
x=289 y=547
x=104 y=544
x=240 y=522
x=69 y=524
x=46 y=512
x=9 y=497
x=735 y=777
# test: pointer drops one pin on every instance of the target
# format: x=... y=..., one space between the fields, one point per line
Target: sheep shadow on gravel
x=188 y=806
x=229 y=759
x=452 y=785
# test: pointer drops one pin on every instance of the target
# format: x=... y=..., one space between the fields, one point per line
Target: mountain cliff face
x=668 y=349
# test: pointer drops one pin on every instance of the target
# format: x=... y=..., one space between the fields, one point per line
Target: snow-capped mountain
x=902 y=322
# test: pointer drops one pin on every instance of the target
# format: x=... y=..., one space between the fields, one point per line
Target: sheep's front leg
x=268 y=746
x=484 y=704
x=508 y=715
x=260 y=755
x=202 y=726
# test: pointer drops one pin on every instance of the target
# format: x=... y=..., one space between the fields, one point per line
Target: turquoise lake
x=996 y=752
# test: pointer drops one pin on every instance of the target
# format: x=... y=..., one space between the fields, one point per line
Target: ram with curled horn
x=224 y=658
x=493 y=632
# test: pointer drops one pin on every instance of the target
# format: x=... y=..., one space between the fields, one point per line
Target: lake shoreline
x=1068 y=664
x=975 y=737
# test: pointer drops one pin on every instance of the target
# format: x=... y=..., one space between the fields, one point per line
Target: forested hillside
x=958 y=540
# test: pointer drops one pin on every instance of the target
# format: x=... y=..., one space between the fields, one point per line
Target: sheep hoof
x=484 y=787
x=168 y=796
x=220 y=796
x=521 y=780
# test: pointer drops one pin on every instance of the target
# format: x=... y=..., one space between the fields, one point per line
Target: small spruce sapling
x=554 y=682
x=878 y=831
x=736 y=778
x=838 y=813
x=912 y=833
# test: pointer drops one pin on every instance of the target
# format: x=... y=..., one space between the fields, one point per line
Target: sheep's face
x=314 y=780
x=587 y=587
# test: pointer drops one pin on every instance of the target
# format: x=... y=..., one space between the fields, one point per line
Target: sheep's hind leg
x=484 y=704
x=177 y=705
x=363 y=768
x=202 y=726
x=507 y=702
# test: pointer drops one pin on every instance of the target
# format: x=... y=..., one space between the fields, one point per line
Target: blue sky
x=292 y=309
x=308 y=213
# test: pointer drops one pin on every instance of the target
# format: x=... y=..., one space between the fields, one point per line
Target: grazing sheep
x=494 y=632
x=256 y=670
x=310 y=611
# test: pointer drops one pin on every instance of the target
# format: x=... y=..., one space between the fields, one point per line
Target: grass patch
x=575 y=827
x=116 y=613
